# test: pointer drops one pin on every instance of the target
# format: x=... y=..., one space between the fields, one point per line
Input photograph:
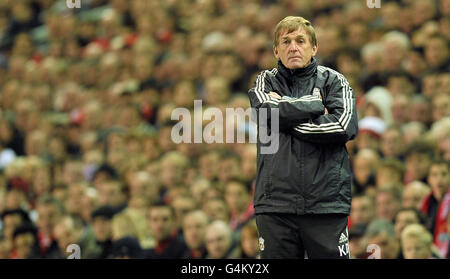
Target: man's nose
x=293 y=46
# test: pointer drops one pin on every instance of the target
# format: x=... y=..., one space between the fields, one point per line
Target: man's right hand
x=274 y=95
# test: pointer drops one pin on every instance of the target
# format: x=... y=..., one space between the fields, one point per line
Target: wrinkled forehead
x=289 y=33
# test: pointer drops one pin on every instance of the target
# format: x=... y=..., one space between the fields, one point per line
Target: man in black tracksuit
x=303 y=193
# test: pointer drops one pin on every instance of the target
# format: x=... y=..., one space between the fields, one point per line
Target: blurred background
x=86 y=96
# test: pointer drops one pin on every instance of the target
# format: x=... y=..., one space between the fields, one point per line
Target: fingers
x=274 y=95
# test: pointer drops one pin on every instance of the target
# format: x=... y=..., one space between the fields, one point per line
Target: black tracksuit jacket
x=310 y=172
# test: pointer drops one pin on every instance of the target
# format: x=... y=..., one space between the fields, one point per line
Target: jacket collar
x=301 y=73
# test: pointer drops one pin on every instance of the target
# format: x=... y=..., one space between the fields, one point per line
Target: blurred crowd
x=86 y=97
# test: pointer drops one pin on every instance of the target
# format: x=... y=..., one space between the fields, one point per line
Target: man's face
x=23 y=244
x=361 y=212
x=386 y=206
x=399 y=111
x=417 y=164
x=161 y=222
x=229 y=169
x=194 y=230
x=436 y=52
x=444 y=148
x=217 y=243
x=362 y=172
x=439 y=180
x=441 y=107
x=388 y=245
x=386 y=175
x=367 y=140
x=412 y=197
x=182 y=206
x=294 y=49
x=209 y=165
x=391 y=143
x=249 y=243
x=171 y=173
x=47 y=215
x=404 y=219
x=111 y=194
x=102 y=228
x=65 y=235
x=216 y=210
x=236 y=196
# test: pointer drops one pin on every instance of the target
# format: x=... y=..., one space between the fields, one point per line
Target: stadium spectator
x=387 y=202
x=416 y=242
x=249 y=243
x=356 y=234
x=194 y=227
x=436 y=204
x=25 y=243
x=102 y=228
x=237 y=196
x=382 y=233
x=389 y=171
x=69 y=230
x=391 y=143
x=414 y=193
x=362 y=211
x=219 y=241
x=126 y=248
x=405 y=217
x=162 y=223
x=366 y=162
x=49 y=211
x=417 y=161
x=182 y=205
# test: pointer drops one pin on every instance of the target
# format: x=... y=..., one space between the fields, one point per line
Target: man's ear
x=314 y=50
x=275 y=52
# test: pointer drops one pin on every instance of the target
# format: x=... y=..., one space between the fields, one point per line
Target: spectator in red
x=237 y=196
x=436 y=205
x=25 y=243
x=49 y=211
x=161 y=219
x=414 y=193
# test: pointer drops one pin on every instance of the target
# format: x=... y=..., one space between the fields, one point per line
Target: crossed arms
x=332 y=120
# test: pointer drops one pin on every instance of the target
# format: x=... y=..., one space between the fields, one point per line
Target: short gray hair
x=379 y=226
x=398 y=37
